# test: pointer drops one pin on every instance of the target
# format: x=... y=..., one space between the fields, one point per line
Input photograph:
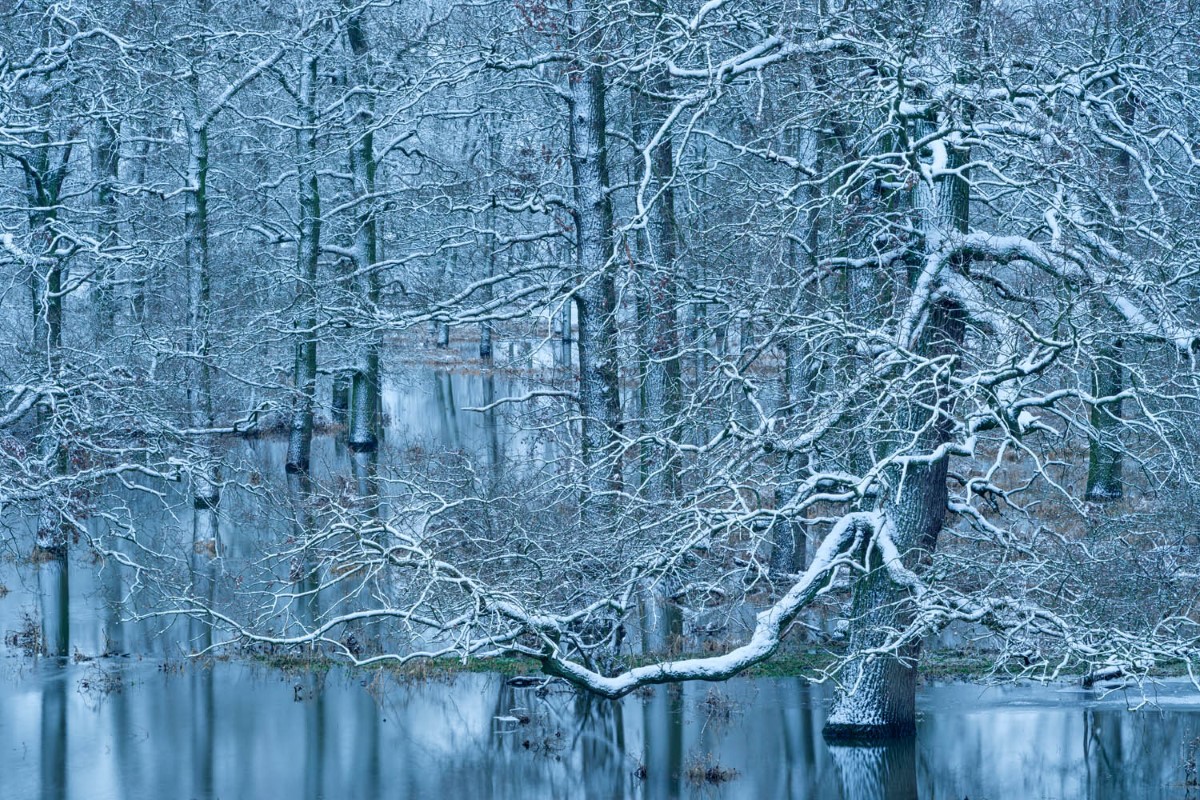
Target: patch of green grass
x=957 y=666
x=800 y=663
x=794 y=664
x=294 y=662
x=426 y=668
x=507 y=666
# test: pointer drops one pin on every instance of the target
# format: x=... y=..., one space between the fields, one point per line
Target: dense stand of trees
x=887 y=308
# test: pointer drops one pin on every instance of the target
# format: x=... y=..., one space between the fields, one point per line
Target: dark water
x=237 y=731
x=154 y=724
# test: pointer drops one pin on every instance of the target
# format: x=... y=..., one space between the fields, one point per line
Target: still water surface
x=151 y=724
x=231 y=730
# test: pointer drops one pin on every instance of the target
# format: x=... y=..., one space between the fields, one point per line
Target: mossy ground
x=809 y=663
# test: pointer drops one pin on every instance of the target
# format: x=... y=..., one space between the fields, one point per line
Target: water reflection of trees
x=877 y=773
x=230 y=730
x=442 y=740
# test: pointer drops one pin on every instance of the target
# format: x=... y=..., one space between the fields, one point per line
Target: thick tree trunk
x=43 y=184
x=485 y=340
x=365 y=402
x=876 y=697
x=366 y=413
x=300 y=434
x=564 y=323
x=485 y=327
x=138 y=281
x=361 y=437
x=789 y=538
x=107 y=166
x=341 y=390
x=596 y=300
x=308 y=252
x=206 y=476
x=196 y=265
x=1105 y=456
x=660 y=327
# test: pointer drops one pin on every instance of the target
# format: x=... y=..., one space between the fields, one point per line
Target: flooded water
x=130 y=730
x=156 y=724
x=145 y=721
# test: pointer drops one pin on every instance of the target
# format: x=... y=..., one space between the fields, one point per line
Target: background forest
x=793 y=320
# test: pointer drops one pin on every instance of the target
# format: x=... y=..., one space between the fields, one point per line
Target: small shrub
x=705 y=769
x=28 y=637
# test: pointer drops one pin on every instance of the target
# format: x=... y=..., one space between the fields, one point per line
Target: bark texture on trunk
x=43 y=184
x=596 y=300
x=365 y=402
x=876 y=698
x=206 y=477
x=660 y=328
x=107 y=166
x=486 y=333
x=308 y=252
x=1105 y=455
x=789 y=537
x=196 y=265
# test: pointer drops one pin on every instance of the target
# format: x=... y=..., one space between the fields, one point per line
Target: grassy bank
x=807 y=663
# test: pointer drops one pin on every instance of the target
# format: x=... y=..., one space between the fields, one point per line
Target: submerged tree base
x=846 y=733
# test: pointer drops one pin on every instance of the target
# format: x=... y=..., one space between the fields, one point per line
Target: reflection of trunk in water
x=442 y=739
x=877 y=773
x=662 y=740
x=600 y=741
x=370 y=769
x=125 y=751
x=490 y=428
x=310 y=691
x=203 y=729
x=54 y=734
x=444 y=389
x=492 y=444
x=1108 y=757
x=363 y=470
x=799 y=731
